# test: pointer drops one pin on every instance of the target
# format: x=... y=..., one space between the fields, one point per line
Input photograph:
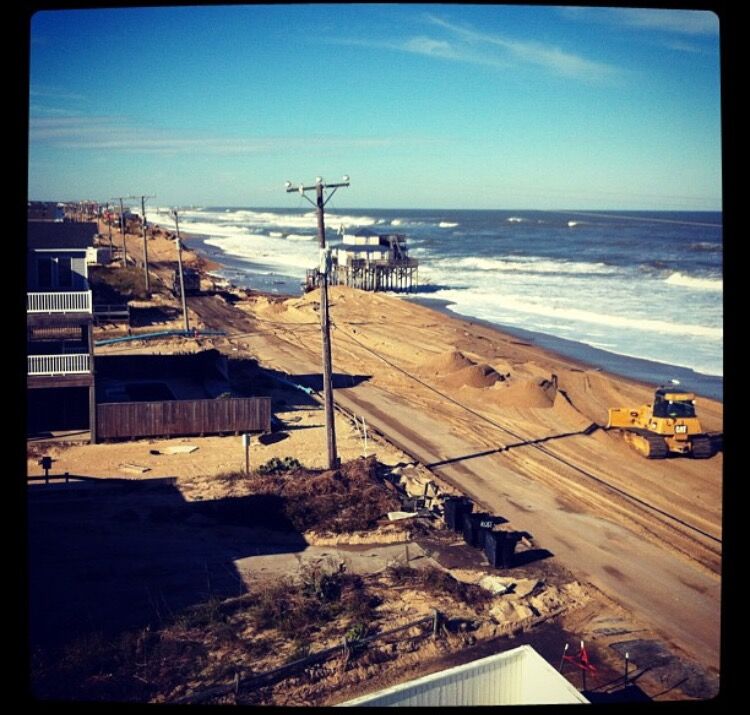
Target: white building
x=516 y=677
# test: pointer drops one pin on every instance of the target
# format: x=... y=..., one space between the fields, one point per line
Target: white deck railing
x=60 y=302
x=74 y=364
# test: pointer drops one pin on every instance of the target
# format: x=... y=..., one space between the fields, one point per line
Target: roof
x=354 y=248
x=516 y=677
x=674 y=395
x=370 y=232
x=50 y=235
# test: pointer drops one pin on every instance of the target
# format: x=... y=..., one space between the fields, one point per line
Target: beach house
x=374 y=261
x=46 y=211
x=60 y=362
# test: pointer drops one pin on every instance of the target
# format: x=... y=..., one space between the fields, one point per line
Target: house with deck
x=370 y=260
x=60 y=361
x=46 y=211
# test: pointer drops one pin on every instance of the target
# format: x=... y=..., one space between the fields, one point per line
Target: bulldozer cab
x=673 y=404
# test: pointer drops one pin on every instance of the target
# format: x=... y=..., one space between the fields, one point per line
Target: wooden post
x=145 y=246
x=182 y=279
x=124 y=245
x=324 y=318
x=246 y=445
x=583 y=672
x=92 y=388
x=326 y=332
x=109 y=224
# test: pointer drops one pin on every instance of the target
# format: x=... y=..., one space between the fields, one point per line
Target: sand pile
x=446 y=362
x=524 y=393
x=481 y=375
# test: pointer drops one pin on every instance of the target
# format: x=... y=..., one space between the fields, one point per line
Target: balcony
x=72 y=364
x=59 y=302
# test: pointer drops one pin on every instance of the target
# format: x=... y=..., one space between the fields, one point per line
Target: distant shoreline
x=646 y=372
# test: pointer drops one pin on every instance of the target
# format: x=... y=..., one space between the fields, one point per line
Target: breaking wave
x=709 y=284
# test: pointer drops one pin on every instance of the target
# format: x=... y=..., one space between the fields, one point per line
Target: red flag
x=581 y=660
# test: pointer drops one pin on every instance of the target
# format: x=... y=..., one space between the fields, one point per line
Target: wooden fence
x=123 y=420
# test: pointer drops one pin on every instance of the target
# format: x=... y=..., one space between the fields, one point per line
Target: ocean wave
x=515 y=219
x=272 y=219
x=706 y=246
x=212 y=229
x=300 y=237
x=530 y=264
x=573 y=224
x=491 y=302
x=447 y=224
x=261 y=249
x=708 y=284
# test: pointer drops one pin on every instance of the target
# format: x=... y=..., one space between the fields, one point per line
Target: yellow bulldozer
x=668 y=424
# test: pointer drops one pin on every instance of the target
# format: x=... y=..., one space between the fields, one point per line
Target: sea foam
x=708 y=284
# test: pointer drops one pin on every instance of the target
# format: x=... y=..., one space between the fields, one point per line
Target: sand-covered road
x=481 y=409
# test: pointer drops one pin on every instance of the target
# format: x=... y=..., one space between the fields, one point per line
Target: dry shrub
x=439 y=583
x=350 y=498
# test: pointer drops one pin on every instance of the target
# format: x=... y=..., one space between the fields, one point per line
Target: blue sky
x=424 y=106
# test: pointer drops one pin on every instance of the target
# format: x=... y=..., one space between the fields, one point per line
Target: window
x=44 y=272
x=64 y=273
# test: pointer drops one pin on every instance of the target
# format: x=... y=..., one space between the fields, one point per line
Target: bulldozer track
x=657 y=447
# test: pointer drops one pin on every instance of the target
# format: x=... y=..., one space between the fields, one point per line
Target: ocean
x=637 y=293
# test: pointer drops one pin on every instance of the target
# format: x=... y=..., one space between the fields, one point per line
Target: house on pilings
x=372 y=261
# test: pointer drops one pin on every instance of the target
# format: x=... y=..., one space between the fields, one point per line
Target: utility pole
x=109 y=224
x=174 y=215
x=122 y=231
x=325 y=264
x=145 y=245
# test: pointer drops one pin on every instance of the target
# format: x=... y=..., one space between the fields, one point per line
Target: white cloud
x=686 y=22
x=493 y=50
x=682 y=22
x=536 y=53
x=111 y=133
x=55 y=93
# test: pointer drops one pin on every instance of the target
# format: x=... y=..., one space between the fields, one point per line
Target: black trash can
x=455 y=508
x=500 y=547
x=493 y=547
x=509 y=548
x=473 y=530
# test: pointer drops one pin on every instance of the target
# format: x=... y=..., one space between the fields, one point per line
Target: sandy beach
x=516 y=427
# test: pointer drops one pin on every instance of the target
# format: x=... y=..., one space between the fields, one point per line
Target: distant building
x=60 y=362
x=46 y=211
x=371 y=261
